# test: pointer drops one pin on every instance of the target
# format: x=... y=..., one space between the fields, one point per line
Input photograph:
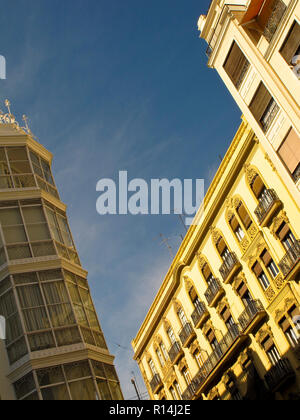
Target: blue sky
x=109 y=86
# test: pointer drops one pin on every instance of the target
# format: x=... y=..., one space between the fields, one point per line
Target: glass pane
x=77 y=370
x=18 y=252
x=20 y=167
x=61 y=315
x=2 y=154
x=25 y=278
x=65 y=232
x=56 y=393
x=110 y=372
x=38 y=232
x=50 y=275
x=14 y=234
x=99 y=369
x=24 y=385
x=10 y=217
x=43 y=249
x=4 y=169
x=68 y=336
x=55 y=293
x=17 y=350
x=74 y=293
x=104 y=390
x=41 y=341
x=86 y=298
x=17 y=153
x=50 y=376
x=33 y=215
x=30 y=296
x=6 y=182
x=115 y=391
x=80 y=315
x=36 y=319
x=83 y=390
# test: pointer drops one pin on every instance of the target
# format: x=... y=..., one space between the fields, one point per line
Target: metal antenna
x=165 y=241
x=136 y=389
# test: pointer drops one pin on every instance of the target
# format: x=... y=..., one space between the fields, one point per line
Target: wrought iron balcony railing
x=186 y=334
x=213 y=290
x=266 y=204
x=156 y=383
x=213 y=360
x=291 y=259
x=199 y=314
x=230 y=262
x=279 y=375
x=175 y=351
x=253 y=311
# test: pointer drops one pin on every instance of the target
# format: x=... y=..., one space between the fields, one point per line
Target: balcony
x=214 y=292
x=156 y=384
x=252 y=316
x=187 y=335
x=291 y=259
x=212 y=366
x=200 y=315
x=281 y=374
x=230 y=267
x=268 y=204
x=189 y=393
x=176 y=353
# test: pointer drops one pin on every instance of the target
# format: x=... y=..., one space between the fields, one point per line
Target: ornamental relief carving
x=250 y=172
x=166 y=324
x=270 y=294
x=177 y=305
x=194 y=347
x=182 y=365
x=269 y=160
x=279 y=281
x=213 y=394
x=279 y=314
x=188 y=284
x=201 y=261
x=222 y=305
x=263 y=333
x=289 y=302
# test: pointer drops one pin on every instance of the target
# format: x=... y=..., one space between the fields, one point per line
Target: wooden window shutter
x=235 y=64
x=258 y=186
x=242 y=290
x=284 y=325
x=234 y=223
x=257 y=269
x=266 y=257
x=268 y=344
x=211 y=336
x=291 y=43
x=259 y=103
x=226 y=314
x=193 y=294
x=246 y=219
x=206 y=271
x=289 y=151
x=283 y=231
x=295 y=311
x=221 y=246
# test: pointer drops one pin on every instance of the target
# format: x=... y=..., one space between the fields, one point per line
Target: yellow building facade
x=54 y=347
x=254 y=45
x=225 y=323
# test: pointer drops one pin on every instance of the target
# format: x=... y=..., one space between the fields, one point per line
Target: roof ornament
x=9 y=118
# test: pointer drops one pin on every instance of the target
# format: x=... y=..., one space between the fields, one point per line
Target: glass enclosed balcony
x=268 y=204
x=214 y=292
x=251 y=316
x=230 y=267
x=279 y=375
x=291 y=259
x=187 y=334
x=156 y=384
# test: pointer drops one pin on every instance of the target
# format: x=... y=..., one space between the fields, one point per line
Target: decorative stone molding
x=222 y=305
x=201 y=261
x=288 y=303
x=252 y=231
x=279 y=281
x=177 y=305
x=270 y=293
x=194 y=347
x=263 y=333
x=213 y=394
x=216 y=235
x=166 y=324
x=269 y=160
x=188 y=284
x=250 y=172
x=279 y=314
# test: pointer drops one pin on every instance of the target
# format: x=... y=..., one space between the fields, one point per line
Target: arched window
x=207 y=274
x=258 y=187
x=182 y=317
x=222 y=248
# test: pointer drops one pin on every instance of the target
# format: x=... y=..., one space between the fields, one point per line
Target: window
x=171 y=336
x=182 y=317
x=236 y=65
x=187 y=376
x=286 y=236
x=290 y=50
x=269 y=264
x=258 y=187
x=263 y=107
x=152 y=368
x=271 y=350
x=178 y=390
x=289 y=152
x=294 y=314
x=206 y=271
x=236 y=227
x=160 y=357
x=222 y=249
x=261 y=276
x=244 y=216
x=289 y=331
x=173 y=393
x=164 y=351
x=15 y=170
x=43 y=174
x=227 y=318
x=199 y=358
x=244 y=293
